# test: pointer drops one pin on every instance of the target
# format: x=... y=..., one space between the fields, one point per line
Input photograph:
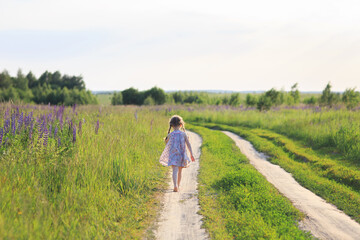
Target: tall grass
x=101 y=186
x=335 y=131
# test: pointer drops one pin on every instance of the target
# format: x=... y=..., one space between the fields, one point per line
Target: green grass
x=104 y=98
x=335 y=132
x=105 y=187
x=340 y=171
x=324 y=185
x=236 y=201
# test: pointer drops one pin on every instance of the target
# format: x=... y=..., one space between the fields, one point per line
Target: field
x=93 y=172
x=62 y=181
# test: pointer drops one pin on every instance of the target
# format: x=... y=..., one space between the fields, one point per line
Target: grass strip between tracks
x=236 y=201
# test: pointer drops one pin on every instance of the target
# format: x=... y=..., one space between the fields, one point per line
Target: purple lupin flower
x=1 y=135
x=97 y=127
x=20 y=121
x=74 y=134
x=55 y=132
x=7 y=125
x=46 y=136
x=59 y=142
x=136 y=116
x=50 y=130
x=31 y=126
x=42 y=128
x=13 y=124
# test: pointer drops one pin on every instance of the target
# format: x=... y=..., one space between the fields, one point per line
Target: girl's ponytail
x=168 y=133
x=169 y=129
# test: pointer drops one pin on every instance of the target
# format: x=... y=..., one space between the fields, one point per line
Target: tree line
x=53 y=88
x=264 y=101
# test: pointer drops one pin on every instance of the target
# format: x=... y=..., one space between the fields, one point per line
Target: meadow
x=319 y=147
x=81 y=172
x=93 y=171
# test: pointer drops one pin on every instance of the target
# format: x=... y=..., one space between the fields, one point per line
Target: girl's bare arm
x=189 y=147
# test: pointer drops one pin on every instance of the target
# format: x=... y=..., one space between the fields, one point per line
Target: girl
x=174 y=153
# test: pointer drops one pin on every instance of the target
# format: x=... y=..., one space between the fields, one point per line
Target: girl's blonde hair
x=176 y=121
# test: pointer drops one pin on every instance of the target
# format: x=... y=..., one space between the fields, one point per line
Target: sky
x=186 y=45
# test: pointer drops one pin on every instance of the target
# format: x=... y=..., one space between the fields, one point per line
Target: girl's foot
x=176 y=189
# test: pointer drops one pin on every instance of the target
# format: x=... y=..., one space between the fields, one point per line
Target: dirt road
x=322 y=219
x=179 y=218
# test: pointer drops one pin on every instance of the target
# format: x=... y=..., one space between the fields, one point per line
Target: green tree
x=328 y=98
x=234 y=99
x=56 y=80
x=32 y=81
x=251 y=100
x=178 y=97
x=5 y=79
x=45 y=78
x=264 y=103
x=351 y=98
x=20 y=81
x=149 y=101
x=117 y=98
x=295 y=94
x=157 y=94
x=311 y=100
x=10 y=94
x=132 y=96
x=268 y=99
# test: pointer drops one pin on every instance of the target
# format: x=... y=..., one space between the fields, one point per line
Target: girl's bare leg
x=179 y=176
x=175 y=177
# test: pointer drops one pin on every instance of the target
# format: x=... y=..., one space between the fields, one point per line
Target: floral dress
x=175 y=150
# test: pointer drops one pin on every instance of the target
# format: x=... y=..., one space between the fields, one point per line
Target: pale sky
x=186 y=45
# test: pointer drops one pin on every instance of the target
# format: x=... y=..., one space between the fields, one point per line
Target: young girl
x=174 y=153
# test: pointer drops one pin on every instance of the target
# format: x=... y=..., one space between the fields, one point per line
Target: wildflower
x=1 y=135
x=7 y=125
x=50 y=130
x=13 y=124
x=20 y=121
x=136 y=116
x=74 y=134
x=55 y=132
x=59 y=142
x=42 y=128
x=46 y=136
